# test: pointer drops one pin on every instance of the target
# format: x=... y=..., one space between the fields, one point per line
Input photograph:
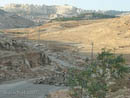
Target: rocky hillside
x=43 y=13
x=22 y=58
x=9 y=20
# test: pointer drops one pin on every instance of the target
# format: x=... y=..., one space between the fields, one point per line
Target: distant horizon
x=103 y=5
x=61 y=5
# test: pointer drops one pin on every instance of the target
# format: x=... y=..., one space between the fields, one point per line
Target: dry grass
x=105 y=33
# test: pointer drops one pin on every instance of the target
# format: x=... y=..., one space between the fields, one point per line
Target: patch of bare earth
x=59 y=94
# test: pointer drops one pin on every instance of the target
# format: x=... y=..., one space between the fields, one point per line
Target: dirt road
x=25 y=89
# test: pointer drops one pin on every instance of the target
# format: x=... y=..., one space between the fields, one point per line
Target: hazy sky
x=85 y=4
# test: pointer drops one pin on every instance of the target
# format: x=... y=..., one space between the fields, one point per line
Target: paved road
x=25 y=89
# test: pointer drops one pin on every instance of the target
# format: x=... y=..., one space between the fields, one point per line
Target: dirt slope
x=109 y=33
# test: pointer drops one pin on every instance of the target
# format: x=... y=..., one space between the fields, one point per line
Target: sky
x=121 y=5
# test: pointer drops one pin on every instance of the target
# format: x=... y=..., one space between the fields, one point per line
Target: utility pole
x=28 y=32
x=92 y=52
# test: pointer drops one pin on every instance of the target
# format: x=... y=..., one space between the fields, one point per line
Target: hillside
x=42 y=13
x=9 y=20
x=109 y=33
x=46 y=52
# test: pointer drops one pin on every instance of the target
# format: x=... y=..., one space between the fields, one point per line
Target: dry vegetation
x=105 y=33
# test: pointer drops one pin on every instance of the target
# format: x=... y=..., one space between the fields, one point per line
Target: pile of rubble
x=56 y=79
x=21 y=64
x=12 y=44
x=17 y=58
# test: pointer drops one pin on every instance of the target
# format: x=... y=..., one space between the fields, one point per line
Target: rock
x=39 y=81
x=27 y=63
x=9 y=44
x=53 y=79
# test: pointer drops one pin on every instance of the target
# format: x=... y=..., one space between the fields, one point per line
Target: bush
x=98 y=75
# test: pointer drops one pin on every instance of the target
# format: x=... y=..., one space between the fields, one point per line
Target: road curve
x=25 y=89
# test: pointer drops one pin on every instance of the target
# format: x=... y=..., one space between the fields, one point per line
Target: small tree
x=99 y=75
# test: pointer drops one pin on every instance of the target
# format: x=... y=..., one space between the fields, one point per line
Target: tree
x=96 y=79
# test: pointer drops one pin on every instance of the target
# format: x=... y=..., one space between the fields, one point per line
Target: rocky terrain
x=65 y=93
x=22 y=58
x=10 y=20
x=63 y=41
x=44 y=53
x=17 y=58
x=38 y=66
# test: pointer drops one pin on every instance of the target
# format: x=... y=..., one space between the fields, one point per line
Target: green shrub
x=95 y=80
x=85 y=16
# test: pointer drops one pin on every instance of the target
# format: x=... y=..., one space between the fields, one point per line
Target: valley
x=38 y=48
